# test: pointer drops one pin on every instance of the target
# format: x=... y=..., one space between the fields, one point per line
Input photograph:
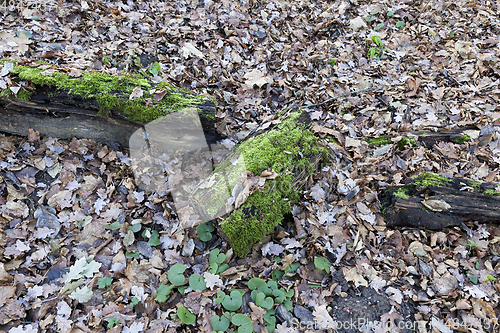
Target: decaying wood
x=436 y=207
x=431 y=137
x=301 y=176
x=57 y=114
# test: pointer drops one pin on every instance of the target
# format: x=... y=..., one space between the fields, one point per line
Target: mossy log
x=435 y=202
x=456 y=135
x=259 y=180
x=93 y=106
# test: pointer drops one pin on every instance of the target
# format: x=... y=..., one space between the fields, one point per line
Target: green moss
x=492 y=192
x=462 y=139
x=285 y=149
x=112 y=92
x=406 y=142
x=474 y=184
x=430 y=179
x=378 y=141
x=402 y=193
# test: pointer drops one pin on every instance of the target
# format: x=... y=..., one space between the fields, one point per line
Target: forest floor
x=83 y=249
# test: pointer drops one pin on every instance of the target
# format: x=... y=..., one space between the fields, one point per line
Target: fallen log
x=259 y=180
x=92 y=105
x=436 y=202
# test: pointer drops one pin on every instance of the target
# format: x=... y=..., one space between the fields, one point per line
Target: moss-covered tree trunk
x=434 y=202
x=106 y=108
x=259 y=180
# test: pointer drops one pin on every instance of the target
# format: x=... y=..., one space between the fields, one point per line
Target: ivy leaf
x=104 y=282
x=175 y=275
x=185 y=316
x=162 y=292
x=220 y=323
x=270 y=320
x=232 y=302
x=322 y=263
x=279 y=296
x=243 y=322
x=204 y=231
x=197 y=281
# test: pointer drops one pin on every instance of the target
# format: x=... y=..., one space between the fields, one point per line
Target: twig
x=342 y=95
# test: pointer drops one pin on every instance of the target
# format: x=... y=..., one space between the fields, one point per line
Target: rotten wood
x=437 y=206
x=57 y=114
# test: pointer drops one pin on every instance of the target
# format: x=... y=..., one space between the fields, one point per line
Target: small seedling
x=471 y=245
x=473 y=279
x=332 y=62
x=134 y=301
x=130 y=255
x=162 y=292
x=104 y=282
x=400 y=24
x=390 y=13
x=112 y=322
x=176 y=276
x=204 y=231
x=490 y=278
x=216 y=259
x=220 y=324
x=243 y=323
x=197 y=281
x=185 y=316
x=113 y=226
x=322 y=263
x=378 y=49
x=154 y=69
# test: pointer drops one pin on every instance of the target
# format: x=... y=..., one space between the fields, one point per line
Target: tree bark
x=437 y=206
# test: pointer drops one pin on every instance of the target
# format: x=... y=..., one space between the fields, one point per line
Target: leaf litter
x=435 y=68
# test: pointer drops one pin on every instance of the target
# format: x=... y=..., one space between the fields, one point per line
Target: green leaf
x=220 y=323
x=375 y=12
x=154 y=240
x=378 y=26
x=279 y=296
x=216 y=257
x=135 y=227
x=104 y=282
x=390 y=13
x=113 y=226
x=220 y=297
x=263 y=301
x=26 y=33
x=270 y=321
x=162 y=292
x=243 y=322
x=197 y=281
x=204 y=231
x=332 y=62
x=213 y=268
x=288 y=304
x=490 y=278
x=185 y=316
x=112 y=322
x=106 y=60
x=232 y=302
x=130 y=255
x=35 y=18
x=256 y=283
x=369 y=19
x=277 y=274
x=222 y=268
x=372 y=52
x=175 y=274
x=400 y=24
x=134 y=301
x=477 y=264
x=473 y=278
x=322 y=263
x=377 y=40
x=292 y=268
